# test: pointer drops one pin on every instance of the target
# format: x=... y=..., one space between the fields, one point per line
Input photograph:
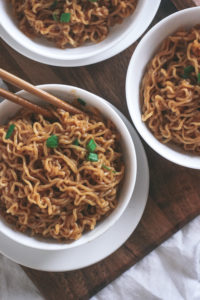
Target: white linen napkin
x=170 y=272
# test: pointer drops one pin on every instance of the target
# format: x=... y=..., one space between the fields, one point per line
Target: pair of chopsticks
x=18 y=82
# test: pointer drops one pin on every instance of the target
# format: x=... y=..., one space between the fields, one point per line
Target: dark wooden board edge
x=181 y=4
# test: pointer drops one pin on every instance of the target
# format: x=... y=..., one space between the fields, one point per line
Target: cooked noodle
x=170 y=91
x=58 y=192
x=84 y=20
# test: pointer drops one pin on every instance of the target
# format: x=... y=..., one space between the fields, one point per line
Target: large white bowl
x=39 y=49
x=68 y=93
x=145 y=50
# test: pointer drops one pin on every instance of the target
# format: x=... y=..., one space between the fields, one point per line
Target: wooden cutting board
x=174 y=196
x=181 y=4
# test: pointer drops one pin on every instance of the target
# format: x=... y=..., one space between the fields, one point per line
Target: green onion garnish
x=52 y=141
x=55 y=17
x=54 y=4
x=76 y=142
x=65 y=17
x=92 y=157
x=91 y=146
x=198 y=78
x=187 y=70
x=81 y=101
x=10 y=131
x=105 y=167
x=109 y=169
x=93 y=0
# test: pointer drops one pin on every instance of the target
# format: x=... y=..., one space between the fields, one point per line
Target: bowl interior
x=186 y=18
x=47 y=49
x=8 y=110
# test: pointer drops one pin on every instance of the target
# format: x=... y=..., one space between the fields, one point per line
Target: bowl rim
x=82 y=58
x=41 y=244
x=163 y=150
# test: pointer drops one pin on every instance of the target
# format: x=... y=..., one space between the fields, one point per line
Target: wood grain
x=181 y=4
x=174 y=191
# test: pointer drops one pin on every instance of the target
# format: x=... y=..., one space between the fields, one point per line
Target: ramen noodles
x=59 y=178
x=170 y=91
x=71 y=22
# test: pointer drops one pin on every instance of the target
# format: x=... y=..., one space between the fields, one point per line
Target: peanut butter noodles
x=170 y=91
x=57 y=179
x=71 y=22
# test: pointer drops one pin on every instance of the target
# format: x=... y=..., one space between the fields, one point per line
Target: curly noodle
x=57 y=191
x=170 y=90
x=86 y=21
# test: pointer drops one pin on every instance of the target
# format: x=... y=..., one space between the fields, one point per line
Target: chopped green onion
x=65 y=17
x=198 y=78
x=187 y=70
x=105 y=167
x=93 y=0
x=55 y=17
x=54 y=4
x=91 y=146
x=81 y=101
x=10 y=131
x=52 y=141
x=92 y=157
x=109 y=169
x=76 y=142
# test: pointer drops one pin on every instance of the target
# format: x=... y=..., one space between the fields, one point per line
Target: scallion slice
x=54 y=4
x=76 y=142
x=109 y=169
x=52 y=141
x=92 y=157
x=105 y=167
x=81 y=101
x=55 y=17
x=10 y=131
x=91 y=146
x=187 y=71
x=198 y=78
x=65 y=17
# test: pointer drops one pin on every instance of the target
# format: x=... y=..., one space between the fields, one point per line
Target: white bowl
x=44 y=51
x=145 y=50
x=68 y=93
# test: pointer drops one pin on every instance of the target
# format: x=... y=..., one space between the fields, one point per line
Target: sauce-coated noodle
x=170 y=90
x=53 y=189
x=71 y=22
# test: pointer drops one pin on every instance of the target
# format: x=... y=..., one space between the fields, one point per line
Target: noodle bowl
x=56 y=190
x=170 y=90
x=167 y=83
x=41 y=49
x=71 y=22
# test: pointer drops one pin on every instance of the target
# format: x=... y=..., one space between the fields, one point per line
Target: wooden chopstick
x=25 y=103
x=16 y=81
